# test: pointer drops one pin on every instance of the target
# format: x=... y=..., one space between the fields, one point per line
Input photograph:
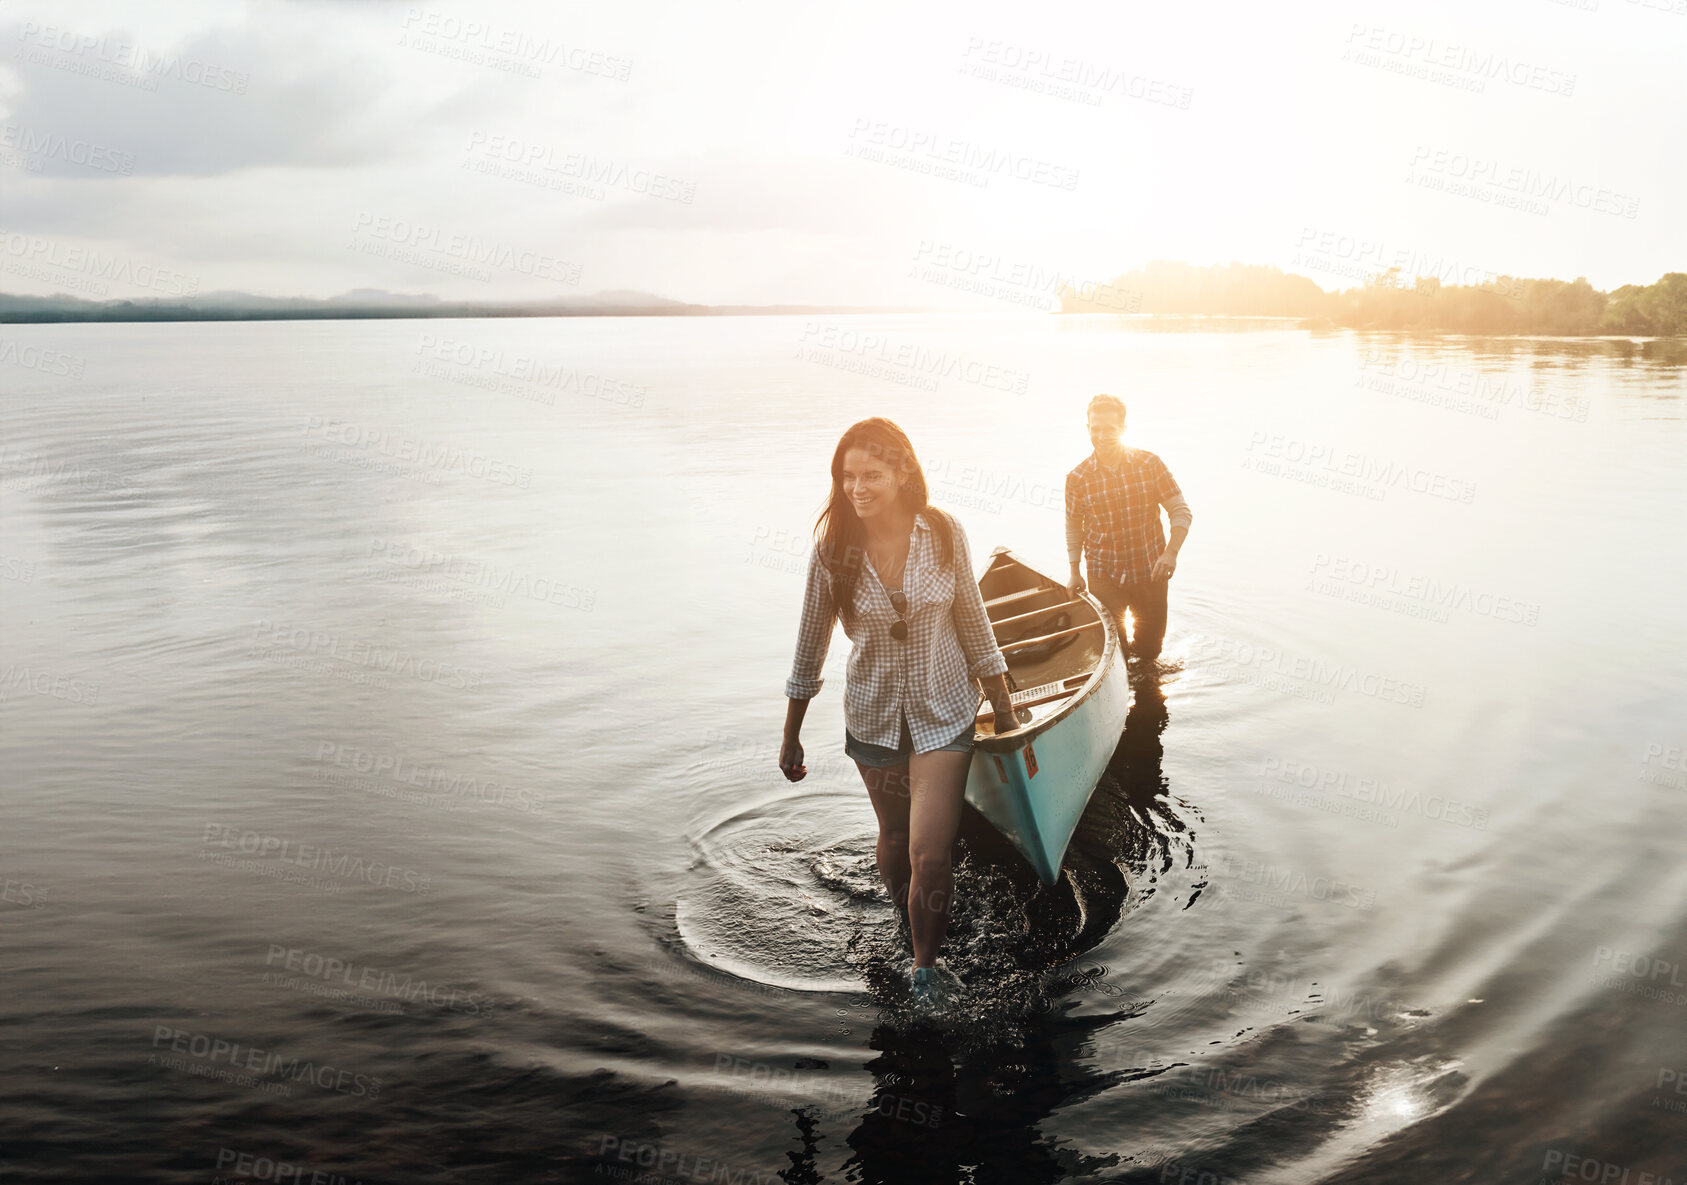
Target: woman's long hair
x=841 y=536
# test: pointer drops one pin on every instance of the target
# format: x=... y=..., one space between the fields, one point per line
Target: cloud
x=253 y=152
x=215 y=102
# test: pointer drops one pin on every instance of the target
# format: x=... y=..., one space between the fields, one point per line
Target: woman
x=897 y=573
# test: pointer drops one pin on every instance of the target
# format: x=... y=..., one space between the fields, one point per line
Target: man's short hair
x=1108 y=401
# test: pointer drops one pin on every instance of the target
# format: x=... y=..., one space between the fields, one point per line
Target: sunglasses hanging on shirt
x=899 y=628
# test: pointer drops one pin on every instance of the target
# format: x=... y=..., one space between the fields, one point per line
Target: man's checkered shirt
x=1115 y=514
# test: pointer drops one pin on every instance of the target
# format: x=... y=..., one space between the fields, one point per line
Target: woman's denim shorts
x=879 y=757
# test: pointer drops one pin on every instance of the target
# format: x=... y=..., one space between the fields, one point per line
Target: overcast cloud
x=760 y=153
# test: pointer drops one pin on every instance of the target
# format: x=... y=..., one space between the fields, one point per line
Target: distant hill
x=1505 y=305
x=370 y=303
x=1390 y=300
x=1233 y=290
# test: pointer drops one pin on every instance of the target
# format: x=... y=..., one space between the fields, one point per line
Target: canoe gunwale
x=1010 y=742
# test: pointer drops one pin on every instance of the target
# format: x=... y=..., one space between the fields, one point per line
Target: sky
x=943 y=155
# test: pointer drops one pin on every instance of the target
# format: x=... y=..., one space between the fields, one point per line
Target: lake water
x=390 y=726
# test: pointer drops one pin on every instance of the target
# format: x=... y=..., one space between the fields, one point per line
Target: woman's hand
x=790 y=760
x=1007 y=718
x=790 y=749
x=1001 y=699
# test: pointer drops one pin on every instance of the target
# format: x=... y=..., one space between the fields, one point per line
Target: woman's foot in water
x=931 y=990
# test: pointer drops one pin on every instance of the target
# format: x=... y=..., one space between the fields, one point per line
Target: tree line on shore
x=1390 y=300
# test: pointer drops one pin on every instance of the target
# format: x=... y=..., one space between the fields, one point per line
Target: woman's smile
x=868 y=482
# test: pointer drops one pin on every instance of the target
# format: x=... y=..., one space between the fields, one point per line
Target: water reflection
x=1136 y=761
x=941 y=1108
x=1660 y=351
x=950 y=1097
x=158 y=518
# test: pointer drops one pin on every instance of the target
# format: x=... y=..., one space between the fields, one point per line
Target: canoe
x=1068 y=668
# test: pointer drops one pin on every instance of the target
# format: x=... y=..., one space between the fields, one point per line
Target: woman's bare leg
x=887 y=788
x=938 y=784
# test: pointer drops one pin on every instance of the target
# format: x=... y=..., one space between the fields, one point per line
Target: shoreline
x=1144 y=320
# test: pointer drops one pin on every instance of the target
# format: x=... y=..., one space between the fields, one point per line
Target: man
x=1113 y=502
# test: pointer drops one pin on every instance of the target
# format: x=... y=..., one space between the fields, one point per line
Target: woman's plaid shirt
x=930 y=674
x=1117 y=513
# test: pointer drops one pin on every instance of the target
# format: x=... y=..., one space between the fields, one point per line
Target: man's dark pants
x=1147 y=604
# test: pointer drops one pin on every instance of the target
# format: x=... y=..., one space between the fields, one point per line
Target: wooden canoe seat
x=999 y=623
x=1029 y=642
x=1010 y=598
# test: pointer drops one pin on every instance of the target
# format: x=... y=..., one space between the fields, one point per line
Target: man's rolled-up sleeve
x=1074 y=522
x=1171 y=497
x=814 y=635
x=972 y=620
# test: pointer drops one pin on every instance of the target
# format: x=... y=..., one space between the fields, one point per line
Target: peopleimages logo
x=22 y=893
x=52 y=362
x=1566 y=1166
x=434 y=780
x=1459 y=388
x=1379 y=473
x=37 y=252
x=271 y=638
x=317 y=859
x=463 y=247
x=267 y=1168
x=1363 y=579
x=553 y=166
x=239 y=1056
x=508 y=581
x=1671 y=759
x=54 y=146
x=1441 y=61
x=70 y=689
x=933 y=147
x=487 y=45
x=1364 y=257
x=1371 y=791
x=134 y=58
x=1483 y=173
x=1063 y=75
x=1313 y=672
x=1277 y=882
x=525 y=376
x=326 y=969
x=429 y=455
x=1017 y=281
x=906 y=354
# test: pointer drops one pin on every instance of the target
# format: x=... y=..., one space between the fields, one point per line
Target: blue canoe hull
x=1032 y=785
